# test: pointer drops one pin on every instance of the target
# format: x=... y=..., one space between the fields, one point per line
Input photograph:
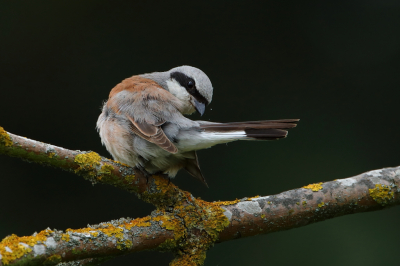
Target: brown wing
x=153 y=134
x=147 y=106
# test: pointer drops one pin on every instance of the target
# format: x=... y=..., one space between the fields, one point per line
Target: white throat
x=180 y=92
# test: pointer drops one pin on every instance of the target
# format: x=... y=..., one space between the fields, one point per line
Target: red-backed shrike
x=143 y=124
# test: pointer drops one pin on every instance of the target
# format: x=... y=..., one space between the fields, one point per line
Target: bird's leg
x=145 y=173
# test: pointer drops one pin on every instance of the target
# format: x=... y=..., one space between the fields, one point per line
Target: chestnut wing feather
x=147 y=106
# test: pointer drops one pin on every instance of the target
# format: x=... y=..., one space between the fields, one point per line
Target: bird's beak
x=200 y=107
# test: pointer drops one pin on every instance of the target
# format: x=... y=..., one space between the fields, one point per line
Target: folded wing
x=147 y=106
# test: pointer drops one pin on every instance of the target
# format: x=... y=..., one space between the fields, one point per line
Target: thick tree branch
x=90 y=166
x=182 y=224
x=105 y=240
x=370 y=191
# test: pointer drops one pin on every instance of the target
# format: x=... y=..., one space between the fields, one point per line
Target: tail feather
x=251 y=130
x=280 y=121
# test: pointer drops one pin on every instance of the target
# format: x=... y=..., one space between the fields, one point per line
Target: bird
x=143 y=123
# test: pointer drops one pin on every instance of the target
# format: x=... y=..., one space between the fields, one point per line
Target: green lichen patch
x=381 y=194
x=169 y=244
x=5 y=138
x=52 y=260
x=130 y=179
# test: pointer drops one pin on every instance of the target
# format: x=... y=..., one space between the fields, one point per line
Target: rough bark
x=181 y=223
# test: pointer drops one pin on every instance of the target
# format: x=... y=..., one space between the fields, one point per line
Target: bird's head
x=191 y=86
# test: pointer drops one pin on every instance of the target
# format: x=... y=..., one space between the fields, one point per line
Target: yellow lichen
x=18 y=250
x=87 y=162
x=189 y=259
x=65 y=237
x=304 y=203
x=263 y=216
x=106 y=169
x=5 y=138
x=321 y=204
x=381 y=194
x=170 y=223
x=51 y=154
x=90 y=231
x=219 y=203
x=141 y=222
x=161 y=183
x=164 y=195
x=110 y=230
x=249 y=199
x=206 y=219
x=314 y=187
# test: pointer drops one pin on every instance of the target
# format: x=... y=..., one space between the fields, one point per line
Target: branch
x=370 y=191
x=89 y=165
x=182 y=224
x=103 y=241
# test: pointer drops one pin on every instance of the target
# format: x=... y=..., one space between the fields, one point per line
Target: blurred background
x=333 y=65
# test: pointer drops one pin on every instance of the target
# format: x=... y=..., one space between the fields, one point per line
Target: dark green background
x=333 y=65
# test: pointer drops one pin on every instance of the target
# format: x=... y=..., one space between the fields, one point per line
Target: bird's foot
x=145 y=173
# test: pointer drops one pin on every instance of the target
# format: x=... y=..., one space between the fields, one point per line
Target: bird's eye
x=190 y=84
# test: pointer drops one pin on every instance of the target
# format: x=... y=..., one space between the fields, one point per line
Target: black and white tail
x=250 y=130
